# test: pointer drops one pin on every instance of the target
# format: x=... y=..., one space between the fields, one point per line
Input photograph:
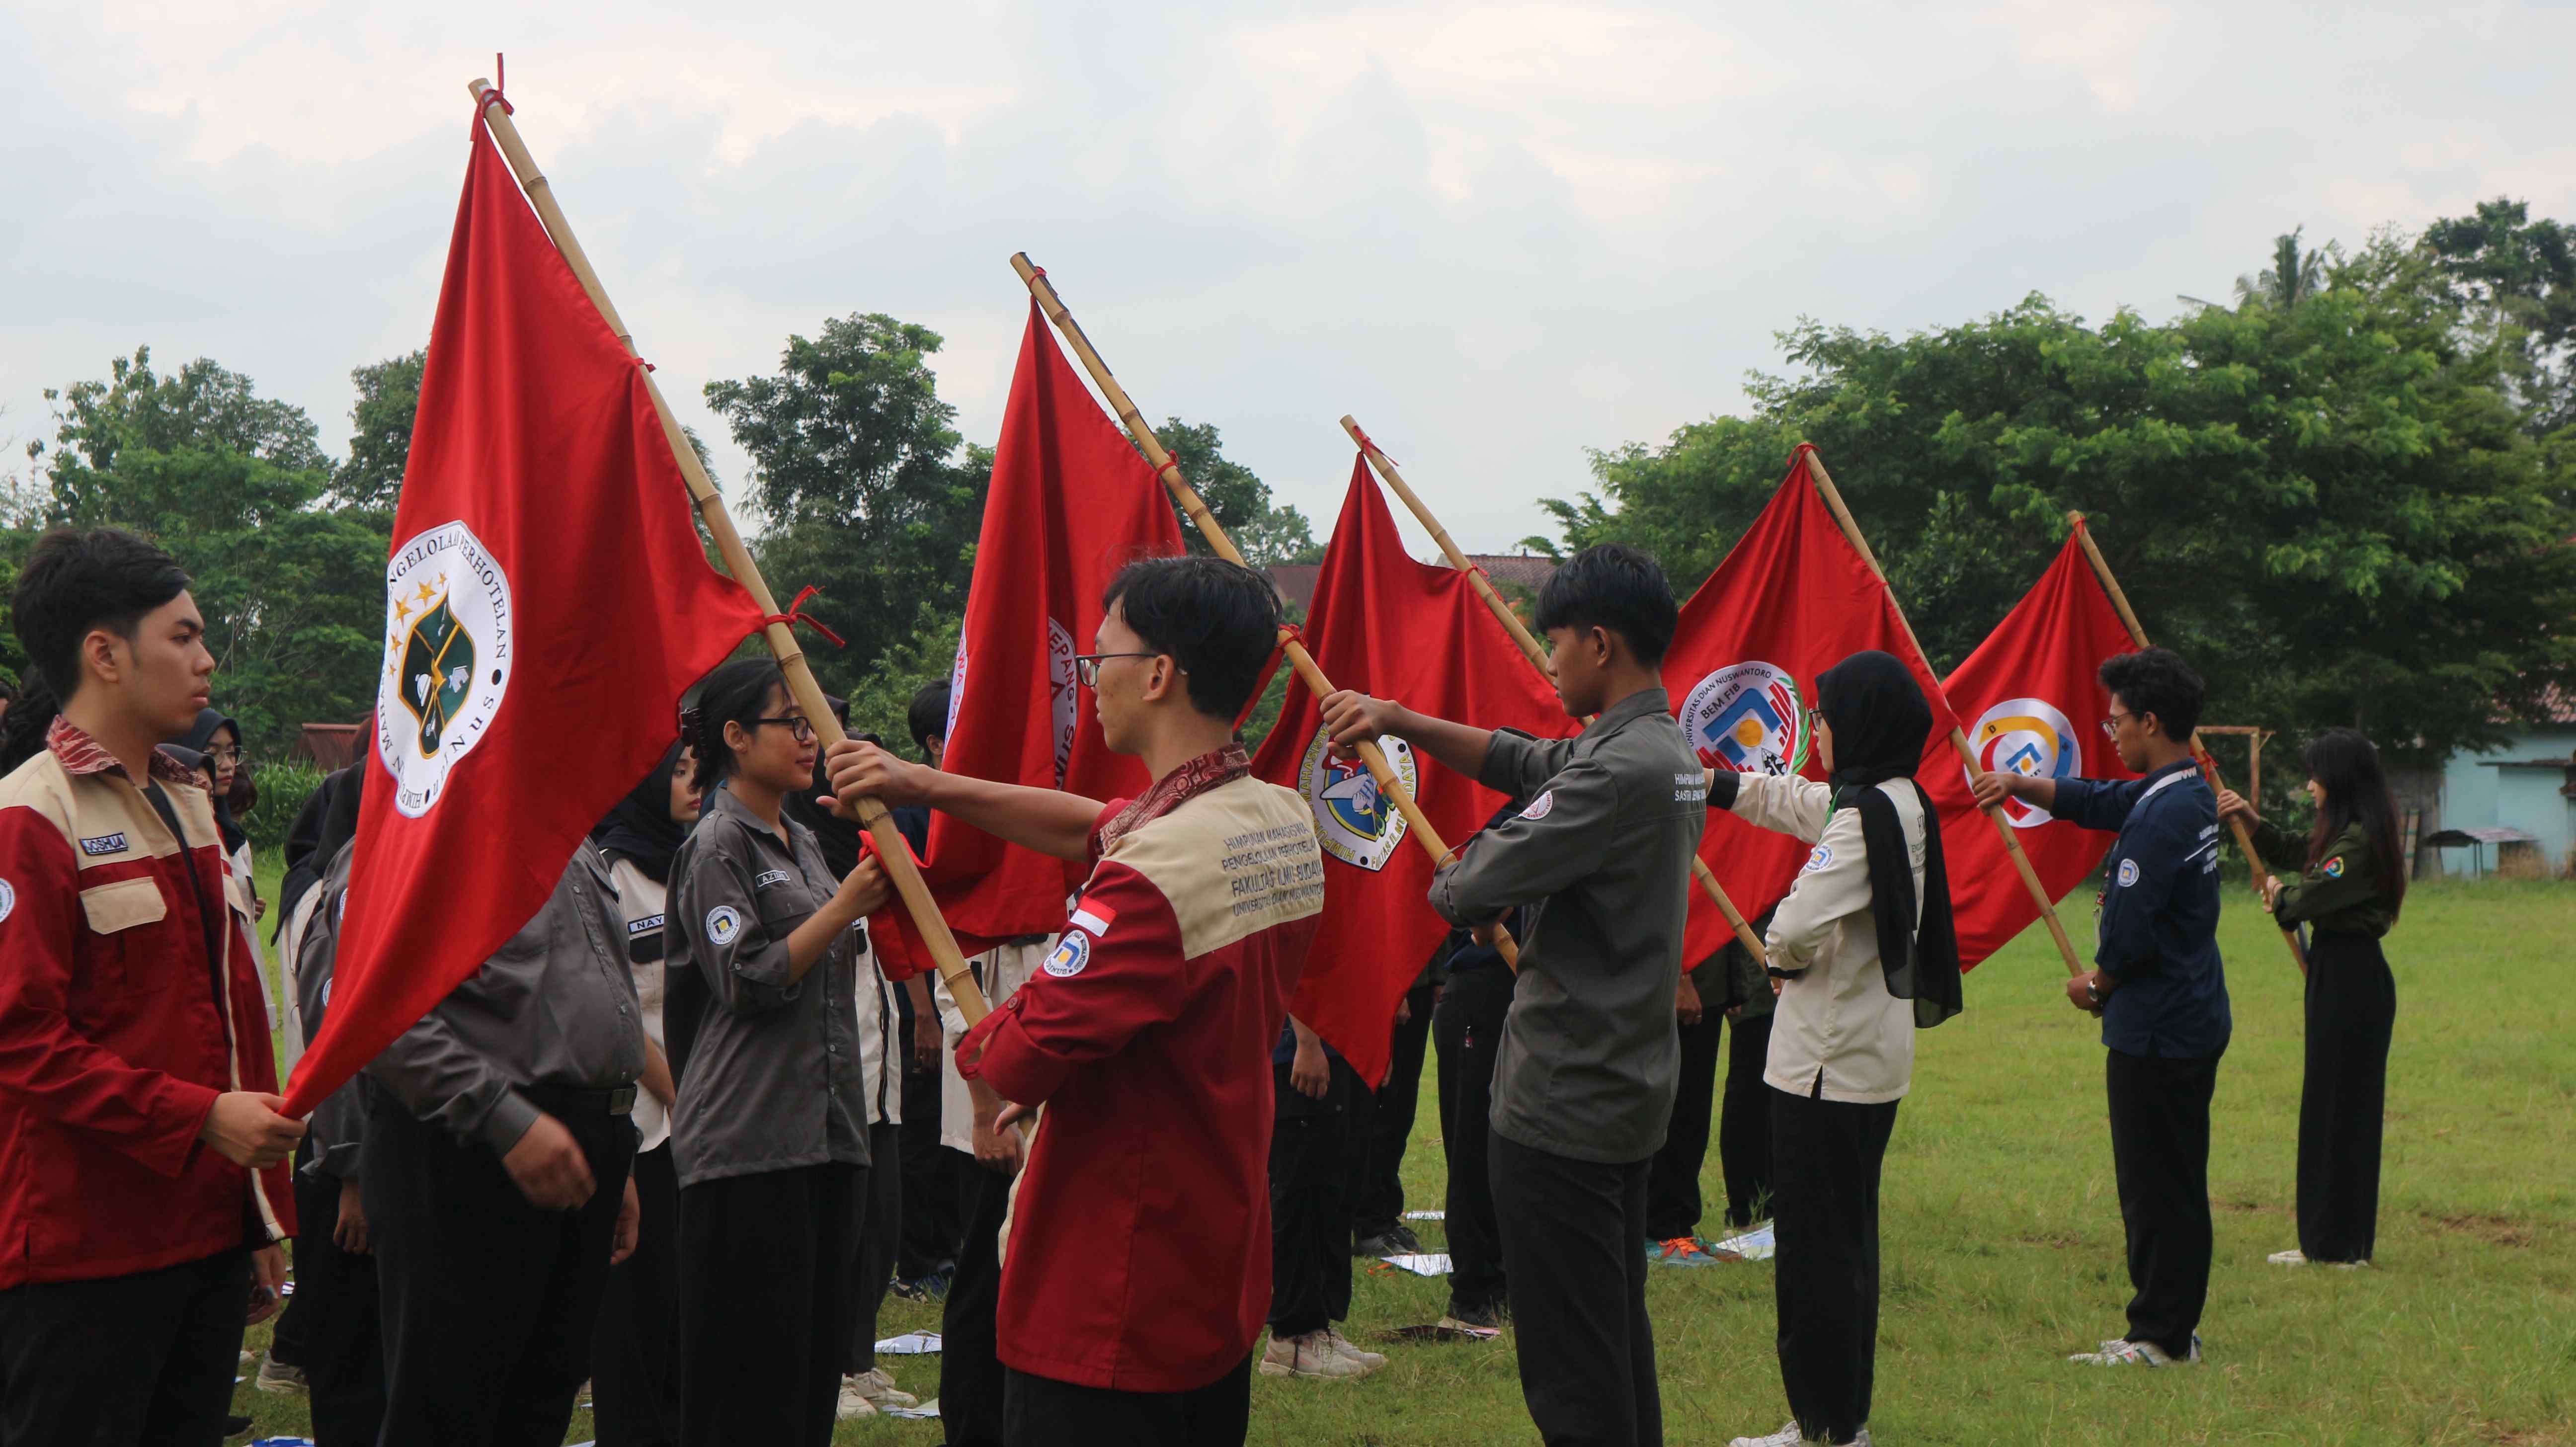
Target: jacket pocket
x=120 y=954
x=123 y=905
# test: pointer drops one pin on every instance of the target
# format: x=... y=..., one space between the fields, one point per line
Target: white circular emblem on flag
x=8 y=898
x=1747 y=717
x=1071 y=954
x=447 y=660
x=723 y=923
x=1356 y=823
x=2029 y=737
x=1062 y=694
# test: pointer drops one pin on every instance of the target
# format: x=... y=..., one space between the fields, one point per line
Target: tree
x=1264 y=534
x=871 y=495
x=2330 y=507
x=388 y=398
x=2293 y=277
x=2517 y=278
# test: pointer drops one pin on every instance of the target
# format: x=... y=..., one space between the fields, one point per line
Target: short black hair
x=736 y=692
x=79 y=579
x=928 y=715
x=8 y=691
x=2157 y=681
x=1220 y=620
x=1613 y=586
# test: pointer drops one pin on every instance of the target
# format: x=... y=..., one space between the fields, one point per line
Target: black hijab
x=305 y=858
x=1880 y=721
x=201 y=739
x=640 y=829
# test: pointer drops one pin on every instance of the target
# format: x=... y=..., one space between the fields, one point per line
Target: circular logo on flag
x=447 y=660
x=1354 y=822
x=8 y=898
x=2029 y=737
x=1062 y=694
x=723 y=923
x=1747 y=717
x=1071 y=954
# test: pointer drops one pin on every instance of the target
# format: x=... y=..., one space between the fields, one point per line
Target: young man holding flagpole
x=1146 y=1034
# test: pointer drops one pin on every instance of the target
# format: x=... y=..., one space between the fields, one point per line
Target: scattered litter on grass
x=1429 y=1263
x=926 y=1412
x=1426 y=1215
x=1434 y=1331
x=283 y=1442
x=1753 y=1245
x=911 y=1344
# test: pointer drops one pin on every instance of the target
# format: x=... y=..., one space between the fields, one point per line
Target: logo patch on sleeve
x=1094 y=916
x=2333 y=868
x=1071 y=954
x=723 y=923
x=2128 y=872
x=1819 y=857
x=104 y=844
x=8 y=898
x=770 y=878
x=1540 y=807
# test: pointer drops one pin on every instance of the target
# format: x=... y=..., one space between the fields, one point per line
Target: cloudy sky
x=1500 y=234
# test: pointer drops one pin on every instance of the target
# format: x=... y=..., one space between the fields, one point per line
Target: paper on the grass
x=1429 y=1263
x=911 y=1344
x=1426 y=1215
x=1753 y=1245
x=283 y=1442
x=926 y=1412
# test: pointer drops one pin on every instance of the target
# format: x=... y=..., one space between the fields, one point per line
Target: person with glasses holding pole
x=769 y=1134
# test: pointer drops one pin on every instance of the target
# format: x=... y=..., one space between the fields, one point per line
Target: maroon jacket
x=117 y=1029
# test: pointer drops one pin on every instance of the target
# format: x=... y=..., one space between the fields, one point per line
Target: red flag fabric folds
x=547 y=601
x=1384 y=624
x=1071 y=504
x=1792 y=599
x=2031 y=703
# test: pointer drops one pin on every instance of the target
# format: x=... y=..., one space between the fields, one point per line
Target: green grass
x=2002 y=1246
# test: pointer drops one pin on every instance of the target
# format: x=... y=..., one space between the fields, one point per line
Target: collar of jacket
x=82 y=756
x=1644 y=703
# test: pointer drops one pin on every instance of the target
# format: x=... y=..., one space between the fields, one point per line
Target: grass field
x=2003 y=1247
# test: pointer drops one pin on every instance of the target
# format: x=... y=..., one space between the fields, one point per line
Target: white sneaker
x=854 y=1406
x=1311 y=1355
x=879 y=1389
x=279 y=1379
x=1342 y=1344
x=2124 y=1353
x=1788 y=1436
x=2293 y=1257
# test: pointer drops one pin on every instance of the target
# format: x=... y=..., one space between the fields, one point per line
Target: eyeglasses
x=1086 y=666
x=801 y=729
x=1815 y=716
x=2111 y=725
x=226 y=756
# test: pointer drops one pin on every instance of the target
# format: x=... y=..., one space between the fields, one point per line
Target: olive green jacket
x=2339 y=891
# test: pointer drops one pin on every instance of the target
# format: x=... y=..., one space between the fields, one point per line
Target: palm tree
x=2294 y=276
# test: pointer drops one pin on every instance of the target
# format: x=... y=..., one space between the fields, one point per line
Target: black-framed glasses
x=1086 y=666
x=226 y=756
x=1815 y=716
x=799 y=728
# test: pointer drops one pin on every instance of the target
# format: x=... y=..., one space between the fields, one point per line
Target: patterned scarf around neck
x=1207 y=771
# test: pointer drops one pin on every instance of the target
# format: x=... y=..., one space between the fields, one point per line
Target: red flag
x=2031 y=702
x=544 y=523
x=1071 y=504
x=1385 y=624
x=1792 y=599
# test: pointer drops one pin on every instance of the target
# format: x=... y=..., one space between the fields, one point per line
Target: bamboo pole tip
x=477 y=86
x=1020 y=263
x=1350 y=424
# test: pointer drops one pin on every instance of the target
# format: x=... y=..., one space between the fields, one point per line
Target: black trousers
x=2160 y=1153
x=1672 y=1179
x=931 y=1215
x=1744 y=1121
x=1382 y=1123
x=635 y=1355
x=1310 y=1212
x=1467 y=1026
x=970 y=1366
x=286 y=1332
x=489 y=1302
x=765 y=1269
x=1042 y=1412
x=1572 y=1233
x=343 y=1354
x=2352 y=1011
x=144 y=1358
x=1827 y=1155
x=879 y=1243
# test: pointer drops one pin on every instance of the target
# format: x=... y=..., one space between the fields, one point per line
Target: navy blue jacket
x=2158 y=917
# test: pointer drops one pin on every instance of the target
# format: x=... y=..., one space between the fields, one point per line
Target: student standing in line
x=933 y=1182
x=1584 y=1081
x=1467 y=1031
x=1313 y=1088
x=770 y=1133
x=1868 y=953
x=2158 y=985
x=1381 y=1126
x=140 y=1139
x=635 y=1362
x=1744 y=1105
x=1672 y=1180
x=2348 y=892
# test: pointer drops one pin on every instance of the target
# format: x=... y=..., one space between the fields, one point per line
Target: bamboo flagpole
x=1385 y=468
x=1418 y=825
x=1958 y=740
x=891 y=850
x=2209 y=766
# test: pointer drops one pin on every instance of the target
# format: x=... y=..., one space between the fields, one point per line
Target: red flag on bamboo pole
x=547 y=601
x=2030 y=698
x=1384 y=624
x=1071 y=504
x=1792 y=599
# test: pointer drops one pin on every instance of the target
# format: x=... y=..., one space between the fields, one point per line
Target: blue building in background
x=2526 y=787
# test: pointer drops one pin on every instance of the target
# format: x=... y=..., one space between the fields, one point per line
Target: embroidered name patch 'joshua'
x=104 y=844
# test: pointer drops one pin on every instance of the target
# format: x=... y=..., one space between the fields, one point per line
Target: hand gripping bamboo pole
x=1958 y=740
x=2129 y=620
x=1530 y=649
x=808 y=694
x=1388 y=783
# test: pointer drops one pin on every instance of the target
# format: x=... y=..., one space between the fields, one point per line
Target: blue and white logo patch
x=1540 y=807
x=103 y=845
x=1819 y=857
x=2128 y=872
x=1071 y=954
x=723 y=923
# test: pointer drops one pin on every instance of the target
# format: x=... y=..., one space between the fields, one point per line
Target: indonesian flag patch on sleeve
x=1095 y=916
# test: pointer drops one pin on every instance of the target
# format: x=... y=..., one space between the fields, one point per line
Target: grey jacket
x=338 y=1127
x=1600 y=862
x=775 y=1078
x=554 y=1007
